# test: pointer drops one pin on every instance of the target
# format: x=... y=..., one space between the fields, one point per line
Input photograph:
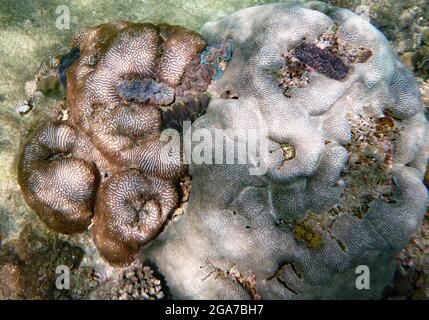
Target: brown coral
x=127 y=132
x=59 y=186
x=131 y=210
x=120 y=84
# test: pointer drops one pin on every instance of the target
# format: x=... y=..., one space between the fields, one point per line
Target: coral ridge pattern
x=106 y=165
x=347 y=140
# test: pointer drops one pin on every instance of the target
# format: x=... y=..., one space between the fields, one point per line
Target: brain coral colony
x=347 y=139
x=104 y=165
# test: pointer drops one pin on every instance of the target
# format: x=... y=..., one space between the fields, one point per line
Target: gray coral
x=303 y=227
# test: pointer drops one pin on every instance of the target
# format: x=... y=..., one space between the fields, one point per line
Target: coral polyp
x=131 y=210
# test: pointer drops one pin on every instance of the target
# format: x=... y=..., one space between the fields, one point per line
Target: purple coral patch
x=322 y=60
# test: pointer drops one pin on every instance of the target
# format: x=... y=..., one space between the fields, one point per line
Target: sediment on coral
x=369 y=172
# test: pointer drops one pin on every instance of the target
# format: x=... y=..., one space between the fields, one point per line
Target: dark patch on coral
x=146 y=91
x=426 y=180
x=28 y=265
x=228 y=94
x=195 y=80
x=326 y=55
x=65 y=62
x=322 y=60
x=189 y=110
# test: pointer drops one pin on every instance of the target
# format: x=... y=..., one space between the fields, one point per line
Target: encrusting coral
x=107 y=164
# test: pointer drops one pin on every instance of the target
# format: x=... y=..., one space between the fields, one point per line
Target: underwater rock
x=351 y=195
x=23 y=107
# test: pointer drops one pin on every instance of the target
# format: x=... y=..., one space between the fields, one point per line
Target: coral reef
x=304 y=226
x=409 y=38
x=105 y=162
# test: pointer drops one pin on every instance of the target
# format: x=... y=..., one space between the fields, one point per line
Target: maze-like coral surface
x=107 y=164
x=347 y=140
x=343 y=186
